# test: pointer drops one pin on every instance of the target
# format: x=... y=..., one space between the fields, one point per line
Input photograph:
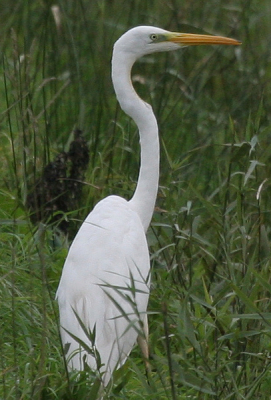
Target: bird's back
x=105 y=281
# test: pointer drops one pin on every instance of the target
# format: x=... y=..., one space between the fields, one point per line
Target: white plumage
x=109 y=246
x=105 y=279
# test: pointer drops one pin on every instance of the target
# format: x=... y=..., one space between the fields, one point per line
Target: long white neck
x=143 y=200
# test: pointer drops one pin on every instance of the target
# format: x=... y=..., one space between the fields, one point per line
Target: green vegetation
x=210 y=308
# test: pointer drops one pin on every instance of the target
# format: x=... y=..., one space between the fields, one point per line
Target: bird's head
x=143 y=40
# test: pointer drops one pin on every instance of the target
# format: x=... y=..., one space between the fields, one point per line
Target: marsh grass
x=209 y=309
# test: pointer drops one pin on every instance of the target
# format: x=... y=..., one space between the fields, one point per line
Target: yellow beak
x=192 y=39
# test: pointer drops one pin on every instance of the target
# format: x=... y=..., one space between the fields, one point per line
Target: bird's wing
x=105 y=281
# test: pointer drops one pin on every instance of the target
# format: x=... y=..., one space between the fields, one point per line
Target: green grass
x=210 y=308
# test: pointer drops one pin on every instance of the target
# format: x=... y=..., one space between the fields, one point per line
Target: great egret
x=104 y=287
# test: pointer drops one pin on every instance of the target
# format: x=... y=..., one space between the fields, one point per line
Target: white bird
x=104 y=287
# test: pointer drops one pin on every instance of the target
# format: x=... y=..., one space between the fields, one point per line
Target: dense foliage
x=210 y=308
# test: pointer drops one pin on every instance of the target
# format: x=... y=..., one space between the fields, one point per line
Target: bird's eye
x=153 y=37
